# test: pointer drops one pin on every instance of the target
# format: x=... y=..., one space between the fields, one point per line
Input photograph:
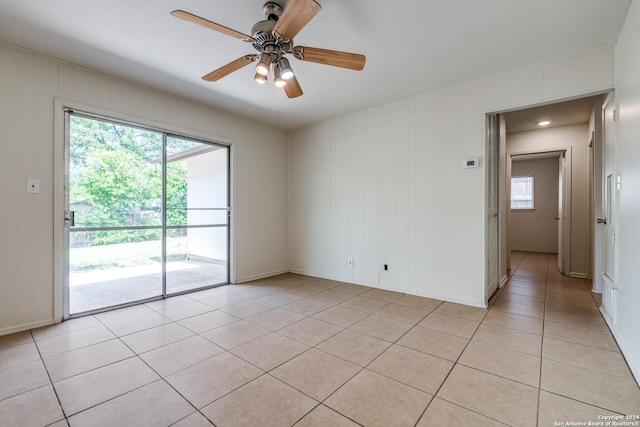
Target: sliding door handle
x=601 y=221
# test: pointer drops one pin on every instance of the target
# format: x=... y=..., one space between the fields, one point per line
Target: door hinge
x=614 y=115
x=69 y=218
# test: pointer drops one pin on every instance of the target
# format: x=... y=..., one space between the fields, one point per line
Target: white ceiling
x=412 y=46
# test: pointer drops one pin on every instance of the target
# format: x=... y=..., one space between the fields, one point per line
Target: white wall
x=536 y=230
x=577 y=137
x=386 y=185
x=628 y=232
x=29 y=85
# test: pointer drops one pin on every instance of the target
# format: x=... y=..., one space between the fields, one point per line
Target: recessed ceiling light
x=544 y=123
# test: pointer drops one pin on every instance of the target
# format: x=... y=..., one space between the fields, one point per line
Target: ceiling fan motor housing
x=262 y=32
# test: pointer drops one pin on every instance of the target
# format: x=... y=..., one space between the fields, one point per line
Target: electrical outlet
x=350 y=262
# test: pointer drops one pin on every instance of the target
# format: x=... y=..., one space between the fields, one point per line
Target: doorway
x=146 y=214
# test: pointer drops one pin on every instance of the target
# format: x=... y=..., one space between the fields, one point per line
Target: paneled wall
x=29 y=86
x=386 y=185
x=628 y=232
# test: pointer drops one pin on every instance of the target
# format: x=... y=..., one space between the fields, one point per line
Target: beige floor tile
x=374 y=400
x=412 y=367
x=561 y=316
x=65 y=327
x=556 y=409
x=316 y=373
x=247 y=309
x=207 y=381
x=509 y=338
x=331 y=296
x=61 y=423
x=194 y=420
x=532 y=291
x=367 y=305
x=443 y=413
x=310 y=331
x=340 y=316
x=73 y=340
x=276 y=318
x=507 y=401
x=594 y=359
x=581 y=335
x=518 y=308
x=436 y=343
x=126 y=325
x=225 y=300
x=35 y=408
x=156 y=404
x=382 y=294
x=270 y=351
x=150 y=339
x=208 y=321
x=304 y=290
x=459 y=310
x=322 y=416
x=307 y=306
x=354 y=347
x=349 y=288
x=513 y=365
x=22 y=378
x=427 y=304
x=179 y=355
x=402 y=313
x=235 y=334
x=586 y=309
x=278 y=299
x=522 y=299
x=449 y=324
x=514 y=321
x=18 y=354
x=209 y=293
x=165 y=303
x=17 y=338
x=605 y=391
x=91 y=388
x=273 y=403
x=325 y=283
x=381 y=327
x=65 y=365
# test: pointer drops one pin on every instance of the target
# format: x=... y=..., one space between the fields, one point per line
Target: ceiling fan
x=273 y=39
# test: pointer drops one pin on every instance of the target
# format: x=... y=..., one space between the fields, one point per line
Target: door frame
x=60 y=181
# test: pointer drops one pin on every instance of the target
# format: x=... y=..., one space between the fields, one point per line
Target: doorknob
x=601 y=221
x=557 y=218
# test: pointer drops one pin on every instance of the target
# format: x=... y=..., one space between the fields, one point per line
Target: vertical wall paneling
x=33 y=90
x=46 y=88
x=9 y=185
x=26 y=202
x=407 y=161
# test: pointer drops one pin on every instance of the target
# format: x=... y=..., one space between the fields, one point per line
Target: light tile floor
x=296 y=350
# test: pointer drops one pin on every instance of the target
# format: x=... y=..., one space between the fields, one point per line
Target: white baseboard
x=26 y=326
x=261 y=275
x=577 y=275
x=634 y=364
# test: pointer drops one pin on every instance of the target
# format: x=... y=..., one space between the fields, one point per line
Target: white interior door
x=562 y=169
x=493 y=242
x=608 y=223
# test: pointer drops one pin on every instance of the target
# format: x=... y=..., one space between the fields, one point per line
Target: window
x=522 y=192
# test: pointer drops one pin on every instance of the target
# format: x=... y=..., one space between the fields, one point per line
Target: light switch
x=33 y=185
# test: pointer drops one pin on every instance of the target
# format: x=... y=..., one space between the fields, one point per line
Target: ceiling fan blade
x=292 y=88
x=297 y=14
x=225 y=70
x=211 y=25
x=352 y=61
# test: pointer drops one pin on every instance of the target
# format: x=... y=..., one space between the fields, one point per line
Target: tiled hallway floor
x=295 y=350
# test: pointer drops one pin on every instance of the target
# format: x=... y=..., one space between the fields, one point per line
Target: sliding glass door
x=146 y=214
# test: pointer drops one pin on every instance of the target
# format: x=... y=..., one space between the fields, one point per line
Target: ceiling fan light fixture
x=285 y=68
x=264 y=64
x=260 y=79
x=278 y=80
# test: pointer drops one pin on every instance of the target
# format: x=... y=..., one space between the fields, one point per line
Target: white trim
x=26 y=326
x=634 y=364
x=261 y=276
